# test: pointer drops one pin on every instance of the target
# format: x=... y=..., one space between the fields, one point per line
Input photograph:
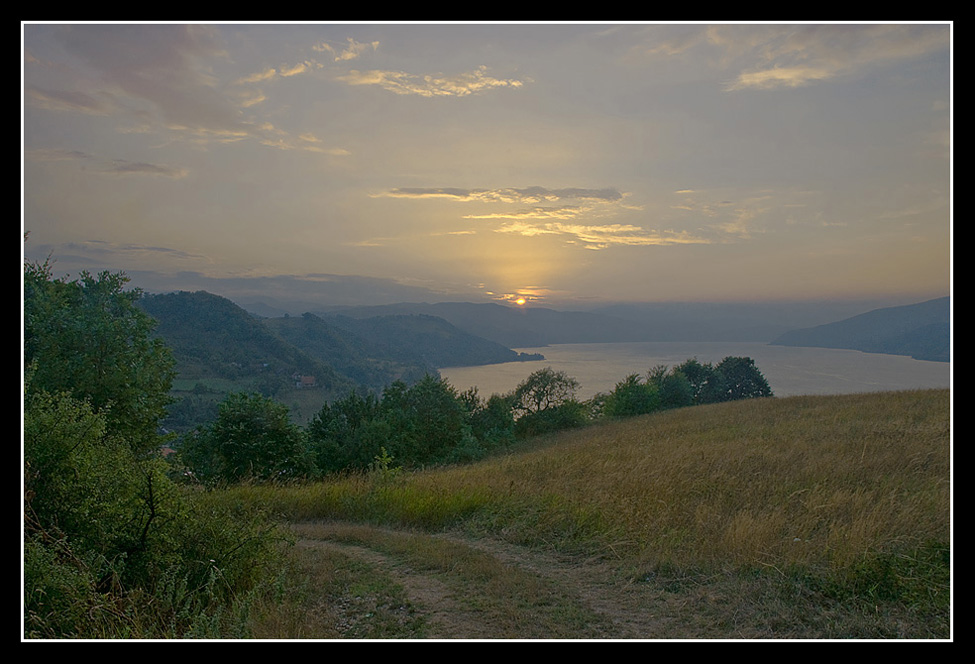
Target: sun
x=520 y=301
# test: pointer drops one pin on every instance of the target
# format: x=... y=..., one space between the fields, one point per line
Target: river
x=788 y=370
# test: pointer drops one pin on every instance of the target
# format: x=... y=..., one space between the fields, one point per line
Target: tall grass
x=847 y=487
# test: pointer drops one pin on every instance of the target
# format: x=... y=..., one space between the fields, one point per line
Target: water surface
x=789 y=370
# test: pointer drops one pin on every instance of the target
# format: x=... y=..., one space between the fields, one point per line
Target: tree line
x=430 y=422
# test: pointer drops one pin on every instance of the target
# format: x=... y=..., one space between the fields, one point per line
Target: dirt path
x=444 y=617
x=466 y=588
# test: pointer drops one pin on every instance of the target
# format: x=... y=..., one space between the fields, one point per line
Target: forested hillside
x=304 y=360
x=427 y=340
x=922 y=331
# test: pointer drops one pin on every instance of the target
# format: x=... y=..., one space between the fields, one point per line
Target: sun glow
x=520 y=301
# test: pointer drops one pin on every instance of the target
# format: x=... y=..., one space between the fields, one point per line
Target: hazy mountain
x=512 y=327
x=922 y=331
x=426 y=339
x=523 y=327
x=732 y=321
x=211 y=336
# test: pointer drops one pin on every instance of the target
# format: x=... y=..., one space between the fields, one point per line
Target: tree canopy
x=88 y=338
x=111 y=544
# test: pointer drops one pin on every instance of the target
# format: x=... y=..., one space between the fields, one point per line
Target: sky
x=556 y=164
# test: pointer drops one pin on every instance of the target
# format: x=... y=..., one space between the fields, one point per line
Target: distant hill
x=427 y=340
x=513 y=327
x=532 y=326
x=922 y=331
x=212 y=336
x=373 y=349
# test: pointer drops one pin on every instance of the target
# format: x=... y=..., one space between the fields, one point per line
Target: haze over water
x=789 y=370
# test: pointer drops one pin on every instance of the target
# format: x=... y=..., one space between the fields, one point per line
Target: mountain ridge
x=922 y=331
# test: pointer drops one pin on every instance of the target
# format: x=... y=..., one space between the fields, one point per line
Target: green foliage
x=418 y=424
x=731 y=379
x=568 y=414
x=112 y=546
x=87 y=337
x=252 y=438
x=543 y=389
x=631 y=397
x=492 y=424
x=742 y=379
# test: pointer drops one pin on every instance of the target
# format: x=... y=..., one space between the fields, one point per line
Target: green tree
x=632 y=397
x=427 y=420
x=336 y=432
x=543 y=389
x=88 y=338
x=741 y=379
x=111 y=545
x=704 y=384
x=491 y=421
x=253 y=437
x=546 y=401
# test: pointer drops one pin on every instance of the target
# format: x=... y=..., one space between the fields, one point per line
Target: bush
x=112 y=547
x=567 y=415
x=252 y=438
x=631 y=397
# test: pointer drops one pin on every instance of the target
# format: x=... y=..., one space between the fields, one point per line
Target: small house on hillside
x=303 y=382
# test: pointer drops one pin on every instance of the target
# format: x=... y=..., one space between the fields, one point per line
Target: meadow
x=807 y=517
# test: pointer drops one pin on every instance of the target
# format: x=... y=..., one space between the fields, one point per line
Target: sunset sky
x=570 y=164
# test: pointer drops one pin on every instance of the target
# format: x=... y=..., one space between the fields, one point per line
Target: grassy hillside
x=806 y=517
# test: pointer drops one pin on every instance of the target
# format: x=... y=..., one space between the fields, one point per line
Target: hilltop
x=922 y=331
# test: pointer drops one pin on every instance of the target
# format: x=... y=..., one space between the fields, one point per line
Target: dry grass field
x=822 y=517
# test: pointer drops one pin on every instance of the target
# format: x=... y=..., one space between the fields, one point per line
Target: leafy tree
x=416 y=424
x=569 y=414
x=742 y=379
x=491 y=421
x=632 y=397
x=336 y=432
x=427 y=420
x=675 y=390
x=111 y=545
x=88 y=338
x=703 y=383
x=253 y=437
x=546 y=401
x=543 y=389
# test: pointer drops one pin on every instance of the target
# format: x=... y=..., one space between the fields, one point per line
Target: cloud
x=766 y=56
x=350 y=52
x=122 y=167
x=806 y=54
x=109 y=166
x=506 y=195
x=69 y=100
x=402 y=83
x=779 y=77
x=553 y=220
x=163 y=65
x=113 y=253
x=565 y=212
x=602 y=237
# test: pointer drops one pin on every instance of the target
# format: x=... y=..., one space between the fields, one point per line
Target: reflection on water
x=789 y=371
